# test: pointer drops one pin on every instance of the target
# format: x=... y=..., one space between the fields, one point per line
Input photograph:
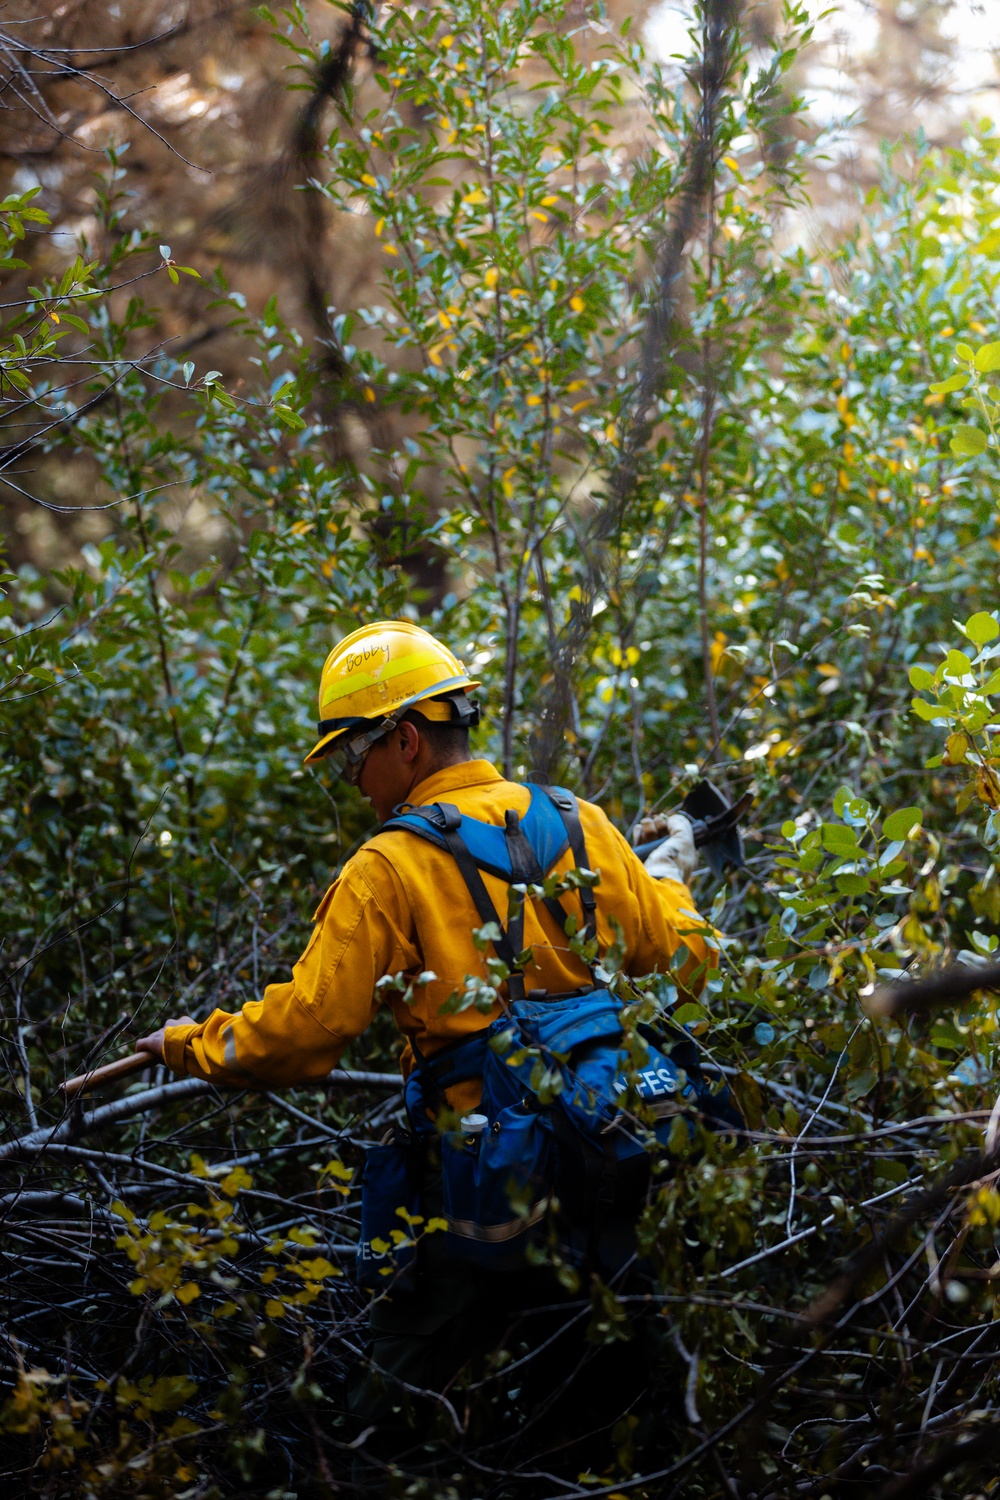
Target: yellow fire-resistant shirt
x=400 y=907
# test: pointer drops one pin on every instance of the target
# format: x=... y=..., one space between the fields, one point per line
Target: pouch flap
x=561 y=1025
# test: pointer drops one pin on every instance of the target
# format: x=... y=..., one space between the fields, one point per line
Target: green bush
x=718 y=523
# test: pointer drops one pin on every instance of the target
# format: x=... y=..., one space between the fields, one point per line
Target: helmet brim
x=326 y=745
x=323 y=747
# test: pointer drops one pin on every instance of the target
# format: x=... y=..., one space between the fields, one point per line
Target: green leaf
x=957 y=664
x=964 y=351
x=839 y=839
x=852 y=885
x=901 y=823
x=953 y=383
x=982 y=627
x=968 y=442
x=988 y=358
x=890 y=1171
x=288 y=417
x=842 y=796
x=927 y=711
x=921 y=678
x=689 y=1012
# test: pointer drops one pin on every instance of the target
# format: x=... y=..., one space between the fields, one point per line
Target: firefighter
x=396 y=928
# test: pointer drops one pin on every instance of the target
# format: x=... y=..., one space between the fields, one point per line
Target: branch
x=75 y=1125
x=957 y=982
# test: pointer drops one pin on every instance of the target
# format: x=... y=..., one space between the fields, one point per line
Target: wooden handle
x=108 y=1074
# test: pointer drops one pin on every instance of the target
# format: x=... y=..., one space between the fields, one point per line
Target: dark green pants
x=471 y=1357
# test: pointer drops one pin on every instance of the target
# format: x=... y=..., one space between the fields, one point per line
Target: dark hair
x=448 y=741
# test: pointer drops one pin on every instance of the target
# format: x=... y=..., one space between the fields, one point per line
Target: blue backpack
x=562 y=1099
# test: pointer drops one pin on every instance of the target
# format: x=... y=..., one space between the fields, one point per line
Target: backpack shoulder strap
x=568 y=809
x=443 y=824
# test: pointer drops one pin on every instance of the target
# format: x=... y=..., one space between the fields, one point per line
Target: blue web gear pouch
x=390 y=1202
x=568 y=1051
x=497 y=1187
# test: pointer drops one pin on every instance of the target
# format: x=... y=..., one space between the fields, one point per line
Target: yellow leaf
x=435 y=1224
x=138 y=1286
x=268 y=1275
x=188 y=1292
x=239 y=1177
x=315 y=1270
x=987 y=789
x=731 y=163
x=273 y=1309
x=369 y=394
x=444 y=319
x=54 y=317
x=577 y=304
x=956 y=747
x=390 y=249
x=717 y=649
x=197 y=1167
x=549 y=199
x=337 y=1169
x=380 y=225
x=534 y=400
x=368 y=180
x=476 y=196
x=542 y=218
x=299 y=529
x=491 y=277
x=446 y=42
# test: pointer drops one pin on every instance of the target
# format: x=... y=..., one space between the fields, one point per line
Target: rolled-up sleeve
x=298 y=1031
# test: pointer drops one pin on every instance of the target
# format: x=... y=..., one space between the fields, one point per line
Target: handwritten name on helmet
x=364 y=655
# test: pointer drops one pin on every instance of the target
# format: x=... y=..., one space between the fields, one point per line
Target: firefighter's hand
x=676 y=857
x=154 y=1042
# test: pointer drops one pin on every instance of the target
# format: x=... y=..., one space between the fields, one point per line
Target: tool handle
x=110 y=1072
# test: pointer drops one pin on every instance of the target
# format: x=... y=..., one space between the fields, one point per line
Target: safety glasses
x=347 y=758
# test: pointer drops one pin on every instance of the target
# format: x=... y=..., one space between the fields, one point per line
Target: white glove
x=676 y=857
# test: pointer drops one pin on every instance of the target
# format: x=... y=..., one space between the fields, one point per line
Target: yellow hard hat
x=378 y=672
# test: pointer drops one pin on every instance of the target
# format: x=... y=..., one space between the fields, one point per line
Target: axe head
x=716 y=830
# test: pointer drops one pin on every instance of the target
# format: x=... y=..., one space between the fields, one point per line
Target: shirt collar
x=453 y=779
